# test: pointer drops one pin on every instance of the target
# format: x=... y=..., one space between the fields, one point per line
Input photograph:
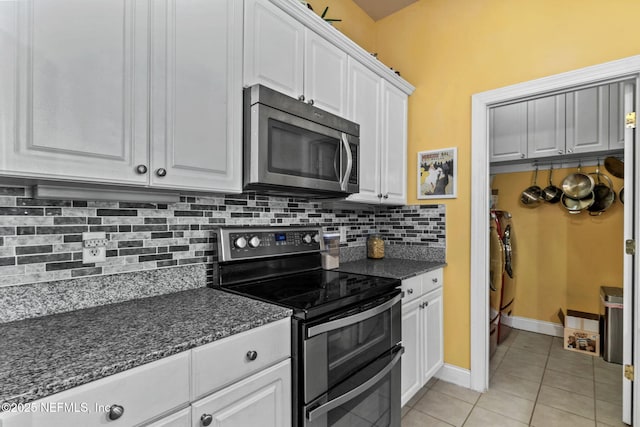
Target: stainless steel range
x=346 y=328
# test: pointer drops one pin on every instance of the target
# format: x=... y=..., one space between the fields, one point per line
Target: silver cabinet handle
x=141 y=169
x=522 y=156
x=206 y=419
x=386 y=196
x=310 y=102
x=569 y=150
x=356 y=318
x=252 y=355
x=347 y=173
x=379 y=195
x=434 y=280
x=351 y=394
x=410 y=291
x=161 y=172
x=301 y=98
x=115 y=412
x=560 y=152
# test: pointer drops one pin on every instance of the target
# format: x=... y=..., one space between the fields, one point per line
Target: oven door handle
x=341 y=323
x=347 y=173
x=353 y=393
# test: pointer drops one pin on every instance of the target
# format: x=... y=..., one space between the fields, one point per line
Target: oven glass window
x=300 y=152
x=372 y=408
x=354 y=346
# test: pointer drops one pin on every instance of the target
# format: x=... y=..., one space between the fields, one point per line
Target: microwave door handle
x=347 y=173
x=352 y=394
x=356 y=318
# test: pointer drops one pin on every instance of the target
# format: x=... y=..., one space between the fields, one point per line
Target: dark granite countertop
x=394 y=268
x=45 y=355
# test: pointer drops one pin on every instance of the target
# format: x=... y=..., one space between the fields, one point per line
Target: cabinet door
x=273 y=48
x=364 y=109
x=546 y=126
x=411 y=380
x=325 y=78
x=508 y=132
x=393 y=151
x=616 y=116
x=179 y=419
x=74 y=80
x=263 y=399
x=588 y=120
x=433 y=356
x=197 y=95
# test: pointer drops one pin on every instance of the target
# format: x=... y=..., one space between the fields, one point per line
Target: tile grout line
x=544 y=371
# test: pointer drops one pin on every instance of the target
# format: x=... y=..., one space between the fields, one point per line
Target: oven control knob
x=316 y=238
x=307 y=238
x=254 y=241
x=240 y=243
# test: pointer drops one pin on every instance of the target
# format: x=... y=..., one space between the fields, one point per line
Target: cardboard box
x=581 y=332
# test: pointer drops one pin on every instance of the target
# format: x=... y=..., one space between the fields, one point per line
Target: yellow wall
x=355 y=24
x=562 y=259
x=452 y=49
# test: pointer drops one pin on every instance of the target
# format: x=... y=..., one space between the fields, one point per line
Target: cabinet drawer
x=431 y=280
x=226 y=361
x=143 y=392
x=412 y=288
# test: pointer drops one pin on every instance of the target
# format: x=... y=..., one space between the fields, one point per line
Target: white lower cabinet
x=422 y=332
x=263 y=399
x=181 y=418
x=244 y=381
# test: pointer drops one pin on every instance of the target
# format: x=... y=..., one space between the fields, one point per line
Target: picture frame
x=438 y=174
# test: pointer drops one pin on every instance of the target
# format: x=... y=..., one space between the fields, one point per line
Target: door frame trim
x=479 y=277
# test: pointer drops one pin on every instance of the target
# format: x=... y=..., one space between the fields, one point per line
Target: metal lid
x=611 y=294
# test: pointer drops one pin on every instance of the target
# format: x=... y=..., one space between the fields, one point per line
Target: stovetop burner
x=281 y=265
x=316 y=292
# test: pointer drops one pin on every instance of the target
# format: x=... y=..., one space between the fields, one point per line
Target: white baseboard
x=454 y=374
x=532 y=325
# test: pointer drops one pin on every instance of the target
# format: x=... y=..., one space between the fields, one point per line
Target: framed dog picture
x=438 y=174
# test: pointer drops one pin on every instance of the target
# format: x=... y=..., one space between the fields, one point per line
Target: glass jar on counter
x=375 y=247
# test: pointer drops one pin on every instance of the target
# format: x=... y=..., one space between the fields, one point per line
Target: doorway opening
x=482 y=103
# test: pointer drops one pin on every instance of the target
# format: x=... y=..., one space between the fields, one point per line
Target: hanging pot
x=604 y=196
x=575 y=206
x=578 y=185
x=532 y=196
x=551 y=193
x=614 y=166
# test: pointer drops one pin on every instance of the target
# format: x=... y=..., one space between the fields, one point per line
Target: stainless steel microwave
x=292 y=147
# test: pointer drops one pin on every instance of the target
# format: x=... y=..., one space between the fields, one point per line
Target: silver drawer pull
x=206 y=419
x=252 y=355
x=434 y=280
x=410 y=291
x=115 y=412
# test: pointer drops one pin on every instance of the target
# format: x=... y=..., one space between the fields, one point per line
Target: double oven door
x=348 y=367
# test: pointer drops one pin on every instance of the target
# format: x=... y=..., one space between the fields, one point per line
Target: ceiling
x=378 y=9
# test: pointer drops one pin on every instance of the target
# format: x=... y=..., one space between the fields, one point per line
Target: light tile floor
x=533 y=382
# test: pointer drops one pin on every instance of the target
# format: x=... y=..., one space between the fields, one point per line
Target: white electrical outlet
x=343 y=234
x=94 y=247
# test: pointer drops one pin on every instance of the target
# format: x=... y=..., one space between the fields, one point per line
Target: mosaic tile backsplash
x=41 y=240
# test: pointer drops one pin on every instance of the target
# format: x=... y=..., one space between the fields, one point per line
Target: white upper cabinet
x=73 y=79
x=325 y=80
x=273 y=48
x=394 y=145
x=88 y=100
x=196 y=108
x=508 y=132
x=381 y=111
x=365 y=93
x=616 y=116
x=280 y=52
x=588 y=120
x=545 y=126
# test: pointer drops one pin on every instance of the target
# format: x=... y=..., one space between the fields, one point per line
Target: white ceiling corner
x=378 y=9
